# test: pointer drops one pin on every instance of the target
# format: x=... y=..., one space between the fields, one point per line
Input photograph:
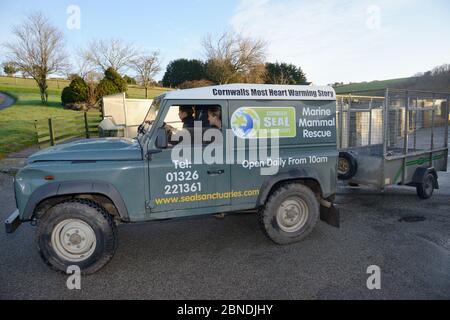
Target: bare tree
x=232 y=57
x=115 y=53
x=146 y=66
x=82 y=67
x=38 y=50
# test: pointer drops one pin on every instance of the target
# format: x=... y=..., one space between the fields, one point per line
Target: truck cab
x=228 y=148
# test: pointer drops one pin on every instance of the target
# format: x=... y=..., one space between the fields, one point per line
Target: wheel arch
x=308 y=178
x=50 y=194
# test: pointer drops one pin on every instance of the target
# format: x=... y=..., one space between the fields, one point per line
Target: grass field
x=372 y=85
x=17 y=129
x=56 y=86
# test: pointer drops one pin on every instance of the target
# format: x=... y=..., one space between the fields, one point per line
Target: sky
x=332 y=41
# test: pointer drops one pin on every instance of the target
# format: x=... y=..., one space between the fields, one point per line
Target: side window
x=172 y=118
x=181 y=120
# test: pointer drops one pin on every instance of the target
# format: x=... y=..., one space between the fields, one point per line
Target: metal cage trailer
x=393 y=137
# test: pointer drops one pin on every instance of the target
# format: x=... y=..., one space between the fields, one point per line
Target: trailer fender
x=420 y=174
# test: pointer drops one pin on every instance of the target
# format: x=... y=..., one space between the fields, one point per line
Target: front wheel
x=76 y=232
x=290 y=213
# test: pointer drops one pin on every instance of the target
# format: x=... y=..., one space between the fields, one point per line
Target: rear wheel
x=290 y=213
x=76 y=232
x=426 y=187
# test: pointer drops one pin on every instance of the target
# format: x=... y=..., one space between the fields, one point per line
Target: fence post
x=51 y=132
x=86 y=125
x=37 y=133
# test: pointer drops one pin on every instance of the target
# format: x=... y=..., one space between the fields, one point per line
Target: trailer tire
x=426 y=187
x=347 y=166
x=76 y=232
x=290 y=213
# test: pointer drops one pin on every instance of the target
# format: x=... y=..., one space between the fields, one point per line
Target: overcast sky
x=331 y=40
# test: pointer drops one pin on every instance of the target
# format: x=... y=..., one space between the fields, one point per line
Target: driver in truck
x=186 y=116
x=185 y=113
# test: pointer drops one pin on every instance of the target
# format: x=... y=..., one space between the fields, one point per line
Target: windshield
x=149 y=118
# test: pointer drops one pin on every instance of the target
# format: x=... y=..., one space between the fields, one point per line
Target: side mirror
x=161 y=138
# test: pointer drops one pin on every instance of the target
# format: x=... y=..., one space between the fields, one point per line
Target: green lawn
x=17 y=129
x=56 y=86
x=372 y=85
x=17 y=122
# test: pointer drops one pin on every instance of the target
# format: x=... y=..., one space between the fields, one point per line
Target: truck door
x=190 y=185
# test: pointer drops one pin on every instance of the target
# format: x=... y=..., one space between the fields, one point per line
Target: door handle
x=215 y=172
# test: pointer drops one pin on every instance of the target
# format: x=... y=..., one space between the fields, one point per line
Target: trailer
x=393 y=137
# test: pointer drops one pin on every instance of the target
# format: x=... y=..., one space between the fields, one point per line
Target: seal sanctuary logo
x=245 y=123
x=264 y=122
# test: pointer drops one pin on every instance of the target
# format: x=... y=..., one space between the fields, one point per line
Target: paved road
x=6 y=101
x=230 y=258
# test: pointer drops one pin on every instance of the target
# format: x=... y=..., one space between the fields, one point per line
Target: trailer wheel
x=290 y=213
x=76 y=232
x=426 y=187
x=347 y=166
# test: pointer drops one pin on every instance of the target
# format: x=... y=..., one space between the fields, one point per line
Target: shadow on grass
x=38 y=103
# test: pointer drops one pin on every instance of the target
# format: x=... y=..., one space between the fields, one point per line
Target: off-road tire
x=426 y=187
x=101 y=222
x=268 y=214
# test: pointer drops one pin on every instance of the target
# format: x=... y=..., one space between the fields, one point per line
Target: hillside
x=372 y=85
x=437 y=80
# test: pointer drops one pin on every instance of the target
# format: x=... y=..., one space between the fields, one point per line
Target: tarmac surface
x=6 y=101
x=230 y=258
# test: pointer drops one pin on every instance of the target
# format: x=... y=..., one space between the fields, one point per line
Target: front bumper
x=13 y=222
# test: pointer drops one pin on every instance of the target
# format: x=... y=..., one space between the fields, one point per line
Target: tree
x=233 y=57
x=146 y=66
x=38 y=50
x=221 y=71
x=195 y=84
x=9 y=68
x=129 y=80
x=181 y=70
x=283 y=73
x=257 y=74
x=77 y=91
x=112 y=83
x=113 y=53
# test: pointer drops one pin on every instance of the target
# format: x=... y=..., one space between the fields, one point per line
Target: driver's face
x=211 y=119
x=182 y=114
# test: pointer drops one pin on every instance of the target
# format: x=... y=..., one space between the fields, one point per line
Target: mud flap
x=329 y=213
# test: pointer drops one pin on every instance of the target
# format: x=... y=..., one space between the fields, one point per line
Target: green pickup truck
x=199 y=151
